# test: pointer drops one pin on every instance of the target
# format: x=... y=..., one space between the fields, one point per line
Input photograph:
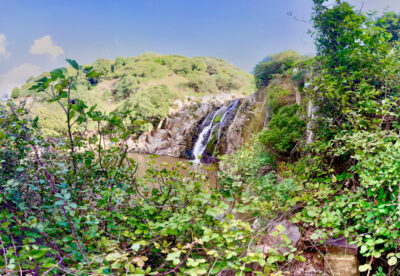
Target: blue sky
x=38 y=35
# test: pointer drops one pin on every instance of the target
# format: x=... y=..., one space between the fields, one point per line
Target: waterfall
x=311 y=116
x=217 y=119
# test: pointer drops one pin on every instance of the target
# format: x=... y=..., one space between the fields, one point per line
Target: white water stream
x=216 y=119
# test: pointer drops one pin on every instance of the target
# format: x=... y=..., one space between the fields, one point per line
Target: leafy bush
x=352 y=167
x=15 y=93
x=103 y=67
x=279 y=97
x=202 y=83
x=148 y=70
x=147 y=107
x=390 y=21
x=127 y=85
x=274 y=64
x=75 y=206
x=285 y=131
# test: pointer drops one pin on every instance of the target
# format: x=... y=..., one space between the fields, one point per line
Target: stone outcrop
x=173 y=136
x=249 y=118
x=281 y=236
x=176 y=135
x=341 y=264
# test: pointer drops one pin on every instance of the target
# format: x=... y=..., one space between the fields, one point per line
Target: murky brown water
x=210 y=170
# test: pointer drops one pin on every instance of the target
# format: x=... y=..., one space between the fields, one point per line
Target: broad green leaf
x=365 y=267
x=58 y=73
x=73 y=63
x=392 y=261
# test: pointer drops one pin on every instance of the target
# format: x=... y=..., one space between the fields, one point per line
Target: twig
x=50 y=180
x=16 y=253
x=5 y=256
x=322 y=255
x=209 y=272
x=178 y=266
x=59 y=262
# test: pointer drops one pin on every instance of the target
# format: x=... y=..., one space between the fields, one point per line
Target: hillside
x=147 y=85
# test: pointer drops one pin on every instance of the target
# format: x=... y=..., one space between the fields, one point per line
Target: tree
x=274 y=64
x=391 y=22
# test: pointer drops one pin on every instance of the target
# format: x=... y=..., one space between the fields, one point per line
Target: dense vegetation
x=347 y=178
x=275 y=64
x=74 y=205
x=117 y=84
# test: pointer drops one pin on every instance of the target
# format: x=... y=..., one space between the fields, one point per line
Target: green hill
x=147 y=85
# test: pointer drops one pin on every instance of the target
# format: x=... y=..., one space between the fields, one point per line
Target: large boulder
x=341 y=264
x=281 y=236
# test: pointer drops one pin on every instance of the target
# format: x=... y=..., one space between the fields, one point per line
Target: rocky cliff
x=176 y=135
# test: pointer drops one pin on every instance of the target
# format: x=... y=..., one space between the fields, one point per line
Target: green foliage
x=278 y=97
x=74 y=205
x=148 y=70
x=274 y=64
x=15 y=93
x=103 y=66
x=127 y=85
x=390 y=22
x=285 y=131
x=351 y=168
x=201 y=82
x=250 y=173
x=147 y=108
x=126 y=76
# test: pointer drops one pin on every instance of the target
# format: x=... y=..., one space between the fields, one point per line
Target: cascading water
x=311 y=116
x=216 y=119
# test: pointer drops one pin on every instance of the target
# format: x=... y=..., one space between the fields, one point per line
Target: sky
x=37 y=36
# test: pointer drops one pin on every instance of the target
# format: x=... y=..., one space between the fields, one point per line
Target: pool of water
x=161 y=162
x=210 y=170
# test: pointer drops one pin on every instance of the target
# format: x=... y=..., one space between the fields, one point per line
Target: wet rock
x=341 y=264
x=172 y=137
x=244 y=122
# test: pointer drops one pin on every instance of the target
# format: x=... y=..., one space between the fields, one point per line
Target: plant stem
x=50 y=180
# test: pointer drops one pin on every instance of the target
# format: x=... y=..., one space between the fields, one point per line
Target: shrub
x=148 y=70
x=75 y=206
x=202 y=82
x=15 y=93
x=127 y=85
x=222 y=81
x=274 y=64
x=103 y=67
x=285 y=131
x=147 y=107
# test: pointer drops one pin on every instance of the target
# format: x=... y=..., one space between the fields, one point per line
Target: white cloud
x=3 y=46
x=45 y=45
x=16 y=77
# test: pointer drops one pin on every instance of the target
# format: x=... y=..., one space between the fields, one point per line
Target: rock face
x=249 y=118
x=341 y=264
x=281 y=236
x=176 y=135
x=173 y=137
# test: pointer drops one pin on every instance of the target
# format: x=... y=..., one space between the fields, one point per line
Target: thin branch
x=50 y=180
x=5 y=256
x=59 y=262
